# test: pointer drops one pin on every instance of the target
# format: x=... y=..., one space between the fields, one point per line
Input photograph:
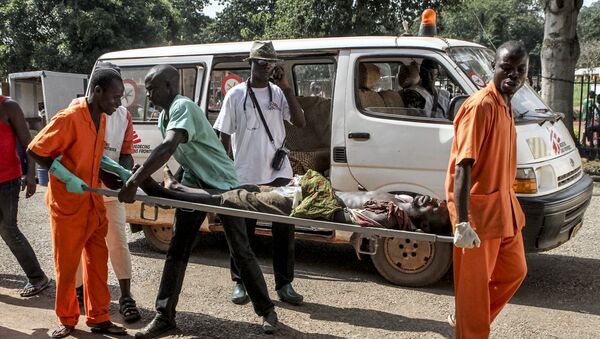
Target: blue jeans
x=12 y=236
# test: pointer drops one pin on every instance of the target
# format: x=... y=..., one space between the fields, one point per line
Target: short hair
x=591 y=94
x=427 y=65
x=106 y=64
x=515 y=46
x=104 y=77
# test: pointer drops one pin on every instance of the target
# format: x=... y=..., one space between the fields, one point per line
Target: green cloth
x=318 y=198
x=202 y=156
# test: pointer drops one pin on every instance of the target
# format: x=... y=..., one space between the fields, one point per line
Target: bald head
x=165 y=73
x=513 y=47
x=162 y=85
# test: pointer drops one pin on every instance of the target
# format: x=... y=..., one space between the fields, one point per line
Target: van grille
x=568 y=177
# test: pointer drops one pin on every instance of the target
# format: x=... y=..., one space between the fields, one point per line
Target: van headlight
x=525 y=182
x=546 y=178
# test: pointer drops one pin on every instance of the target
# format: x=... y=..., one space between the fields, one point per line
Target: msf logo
x=554 y=141
x=136 y=138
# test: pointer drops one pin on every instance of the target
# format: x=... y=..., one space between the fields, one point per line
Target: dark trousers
x=12 y=236
x=184 y=232
x=283 y=248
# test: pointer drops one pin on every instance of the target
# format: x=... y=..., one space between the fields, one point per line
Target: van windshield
x=477 y=65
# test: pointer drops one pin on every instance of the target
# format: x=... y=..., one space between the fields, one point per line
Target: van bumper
x=553 y=219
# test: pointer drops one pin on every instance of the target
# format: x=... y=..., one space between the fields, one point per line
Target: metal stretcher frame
x=369 y=231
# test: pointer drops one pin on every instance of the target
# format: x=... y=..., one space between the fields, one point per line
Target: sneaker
x=270 y=322
x=452 y=320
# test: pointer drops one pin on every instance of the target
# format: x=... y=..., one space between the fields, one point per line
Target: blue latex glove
x=112 y=166
x=73 y=183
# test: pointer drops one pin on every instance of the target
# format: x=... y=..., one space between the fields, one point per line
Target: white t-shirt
x=252 y=149
x=116 y=125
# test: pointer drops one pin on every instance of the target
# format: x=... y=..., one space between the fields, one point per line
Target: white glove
x=465 y=236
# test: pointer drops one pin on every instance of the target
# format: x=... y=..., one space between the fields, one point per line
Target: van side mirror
x=455 y=104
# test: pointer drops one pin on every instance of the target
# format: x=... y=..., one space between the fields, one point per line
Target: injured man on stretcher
x=315 y=199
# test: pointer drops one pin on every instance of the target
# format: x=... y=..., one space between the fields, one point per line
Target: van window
x=221 y=81
x=134 y=95
x=314 y=79
x=415 y=87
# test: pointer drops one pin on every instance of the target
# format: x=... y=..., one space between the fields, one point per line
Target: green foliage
x=492 y=22
x=588 y=23
x=70 y=35
x=249 y=20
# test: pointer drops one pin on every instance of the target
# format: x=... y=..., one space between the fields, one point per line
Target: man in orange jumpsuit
x=489 y=258
x=71 y=147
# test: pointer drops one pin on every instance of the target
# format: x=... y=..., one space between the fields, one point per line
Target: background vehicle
x=362 y=136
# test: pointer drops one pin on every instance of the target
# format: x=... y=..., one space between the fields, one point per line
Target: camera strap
x=257 y=107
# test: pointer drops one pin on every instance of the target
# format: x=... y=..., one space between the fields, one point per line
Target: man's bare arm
x=296 y=112
x=17 y=121
x=226 y=141
x=155 y=161
x=462 y=189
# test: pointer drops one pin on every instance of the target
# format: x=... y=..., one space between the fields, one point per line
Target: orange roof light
x=428 y=23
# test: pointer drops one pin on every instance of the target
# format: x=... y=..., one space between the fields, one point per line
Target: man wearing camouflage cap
x=252 y=129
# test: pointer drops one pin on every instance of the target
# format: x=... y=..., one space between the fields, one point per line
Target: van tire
x=159 y=237
x=412 y=263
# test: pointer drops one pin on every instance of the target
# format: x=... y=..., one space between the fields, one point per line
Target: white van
x=366 y=133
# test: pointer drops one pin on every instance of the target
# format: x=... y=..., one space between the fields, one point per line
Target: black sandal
x=62 y=331
x=129 y=310
x=33 y=289
x=107 y=327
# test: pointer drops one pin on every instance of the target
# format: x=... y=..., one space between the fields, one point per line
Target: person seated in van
x=436 y=99
x=371 y=209
x=315 y=90
x=408 y=80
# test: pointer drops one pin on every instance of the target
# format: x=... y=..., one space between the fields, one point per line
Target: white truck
x=47 y=90
x=362 y=136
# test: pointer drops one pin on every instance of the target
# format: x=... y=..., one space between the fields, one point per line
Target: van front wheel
x=158 y=236
x=412 y=263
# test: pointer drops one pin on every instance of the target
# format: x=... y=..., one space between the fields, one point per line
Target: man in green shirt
x=189 y=137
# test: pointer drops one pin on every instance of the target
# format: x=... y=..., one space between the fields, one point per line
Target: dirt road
x=345 y=297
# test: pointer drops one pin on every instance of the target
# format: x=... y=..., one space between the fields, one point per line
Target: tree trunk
x=559 y=55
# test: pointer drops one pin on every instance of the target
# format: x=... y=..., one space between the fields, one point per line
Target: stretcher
x=366 y=231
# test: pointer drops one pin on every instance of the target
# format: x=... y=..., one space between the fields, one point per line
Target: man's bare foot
x=169 y=180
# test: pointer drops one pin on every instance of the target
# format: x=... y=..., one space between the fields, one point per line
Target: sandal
x=32 y=289
x=62 y=331
x=107 y=327
x=129 y=310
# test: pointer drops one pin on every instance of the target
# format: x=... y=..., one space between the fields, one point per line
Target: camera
x=279 y=158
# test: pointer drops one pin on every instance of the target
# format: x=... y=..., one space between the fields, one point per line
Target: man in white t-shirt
x=247 y=140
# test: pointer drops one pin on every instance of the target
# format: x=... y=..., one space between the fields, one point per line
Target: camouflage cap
x=262 y=50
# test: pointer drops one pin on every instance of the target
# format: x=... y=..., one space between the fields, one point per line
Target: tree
x=560 y=51
x=70 y=35
x=241 y=20
x=492 y=22
x=192 y=23
x=590 y=54
x=588 y=24
x=273 y=19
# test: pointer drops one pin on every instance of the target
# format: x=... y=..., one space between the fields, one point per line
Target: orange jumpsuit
x=79 y=223
x=486 y=278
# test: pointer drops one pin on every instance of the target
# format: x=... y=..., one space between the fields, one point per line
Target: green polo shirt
x=202 y=156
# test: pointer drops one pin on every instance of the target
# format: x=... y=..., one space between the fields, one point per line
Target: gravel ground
x=345 y=297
